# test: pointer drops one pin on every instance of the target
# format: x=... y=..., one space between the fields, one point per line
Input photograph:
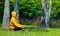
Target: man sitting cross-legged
x=14 y=25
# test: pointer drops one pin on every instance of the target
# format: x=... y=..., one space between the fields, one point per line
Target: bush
x=55 y=24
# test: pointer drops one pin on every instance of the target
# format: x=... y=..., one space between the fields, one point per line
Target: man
x=14 y=25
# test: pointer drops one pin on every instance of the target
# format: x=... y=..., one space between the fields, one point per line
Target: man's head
x=13 y=14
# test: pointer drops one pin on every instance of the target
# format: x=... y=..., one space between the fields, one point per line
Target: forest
x=30 y=11
x=43 y=14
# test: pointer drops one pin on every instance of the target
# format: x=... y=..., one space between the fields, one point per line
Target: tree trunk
x=6 y=15
x=48 y=14
x=50 y=8
x=16 y=8
x=43 y=16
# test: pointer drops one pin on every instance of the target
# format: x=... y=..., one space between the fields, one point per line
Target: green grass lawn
x=31 y=31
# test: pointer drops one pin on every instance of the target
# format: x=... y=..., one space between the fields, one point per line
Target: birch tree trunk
x=6 y=15
x=43 y=16
x=48 y=13
x=50 y=8
x=16 y=8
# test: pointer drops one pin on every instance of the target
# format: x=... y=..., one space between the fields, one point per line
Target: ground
x=31 y=31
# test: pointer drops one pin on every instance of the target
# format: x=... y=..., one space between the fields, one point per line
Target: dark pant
x=17 y=29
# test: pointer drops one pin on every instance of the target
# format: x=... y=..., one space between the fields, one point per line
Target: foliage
x=55 y=24
x=32 y=8
x=1 y=7
x=55 y=7
x=29 y=8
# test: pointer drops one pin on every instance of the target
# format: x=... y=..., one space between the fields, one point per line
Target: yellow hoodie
x=14 y=22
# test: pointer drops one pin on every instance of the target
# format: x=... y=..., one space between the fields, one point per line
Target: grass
x=31 y=31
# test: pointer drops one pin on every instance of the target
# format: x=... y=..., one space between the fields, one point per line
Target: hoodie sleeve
x=15 y=22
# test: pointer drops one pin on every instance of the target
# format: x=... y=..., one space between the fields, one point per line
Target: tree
x=48 y=11
x=43 y=15
x=16 y=8
x=6 y=15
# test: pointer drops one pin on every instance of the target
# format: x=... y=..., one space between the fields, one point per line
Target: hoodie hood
x=13 y=14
